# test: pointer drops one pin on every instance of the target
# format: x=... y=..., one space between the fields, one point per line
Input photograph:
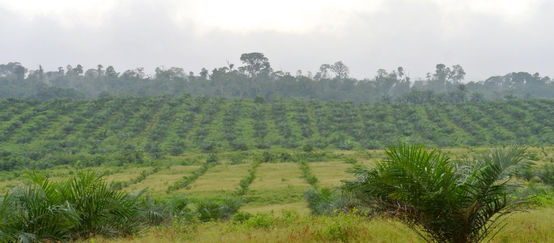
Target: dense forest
x=93 y=131
x=256 y=78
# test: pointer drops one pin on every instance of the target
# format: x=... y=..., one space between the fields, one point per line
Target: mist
x=485 y=39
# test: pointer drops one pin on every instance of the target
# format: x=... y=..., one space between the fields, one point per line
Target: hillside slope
x=128 y=129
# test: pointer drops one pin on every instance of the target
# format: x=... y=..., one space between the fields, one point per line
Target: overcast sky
x=486 y=37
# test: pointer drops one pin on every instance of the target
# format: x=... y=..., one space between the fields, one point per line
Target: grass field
x=275 y=184
x=157 y=183
x=221 y=179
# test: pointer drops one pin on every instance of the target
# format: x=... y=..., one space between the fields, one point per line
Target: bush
x=341 y=228
x=237 y=158
x=307 y=148
x=260 y=220
x=319 y=200
x=350 y=160
x=241 y=217
x=208 y=210
x=212 y=158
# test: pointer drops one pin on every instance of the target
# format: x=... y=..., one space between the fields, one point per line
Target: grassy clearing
x=125 y=175
x=276 y=183
x=157 y=183
x=221 y=179
x=330 y=174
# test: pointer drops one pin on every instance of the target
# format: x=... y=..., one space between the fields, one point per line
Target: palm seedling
x=441 y=200
x=36 y=212
x=80 y=206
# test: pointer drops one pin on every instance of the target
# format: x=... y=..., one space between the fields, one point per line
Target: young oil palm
x=438 y=198
x=36 y=212
x=77 y=207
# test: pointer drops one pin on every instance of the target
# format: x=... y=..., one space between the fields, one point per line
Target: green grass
x=219 y=180
x=330 y=174
x=533 y=226
x=277 y=209
x=125 y=175
x=157 y=183
x=276 y=183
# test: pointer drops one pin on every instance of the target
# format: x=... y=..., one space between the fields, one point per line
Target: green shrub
x=325 y=201
x=350 y=160
x=340 y=228
x=237 y=158
x=208 y=210
x=241 y=217
x=212 y=158
x=260 y=220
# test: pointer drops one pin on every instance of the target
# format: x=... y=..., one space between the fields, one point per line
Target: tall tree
x=341 y=71
x=256 y=64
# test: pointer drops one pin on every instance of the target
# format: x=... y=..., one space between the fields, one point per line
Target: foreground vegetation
x=240 y=197
x=532 y=226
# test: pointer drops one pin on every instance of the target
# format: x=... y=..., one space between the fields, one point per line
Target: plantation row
x=117 y=130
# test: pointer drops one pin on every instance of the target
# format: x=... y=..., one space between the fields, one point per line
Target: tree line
x=257 y=78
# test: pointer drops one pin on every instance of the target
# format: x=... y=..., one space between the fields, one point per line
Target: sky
x=486 y=37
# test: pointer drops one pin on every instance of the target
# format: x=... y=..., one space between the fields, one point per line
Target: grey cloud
x=412 y=34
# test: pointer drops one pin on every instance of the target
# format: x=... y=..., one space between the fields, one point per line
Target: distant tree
x=341 y=71
x=99 y=69
x=78 y=70
x=204 y=74
x=457 y=74
x=255 y=64
x=111 y=73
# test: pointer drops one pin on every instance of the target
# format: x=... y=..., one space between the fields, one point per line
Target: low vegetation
x=413 y=194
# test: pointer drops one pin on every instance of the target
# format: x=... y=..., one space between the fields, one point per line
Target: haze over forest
x=487 y=38
x=256 y=78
